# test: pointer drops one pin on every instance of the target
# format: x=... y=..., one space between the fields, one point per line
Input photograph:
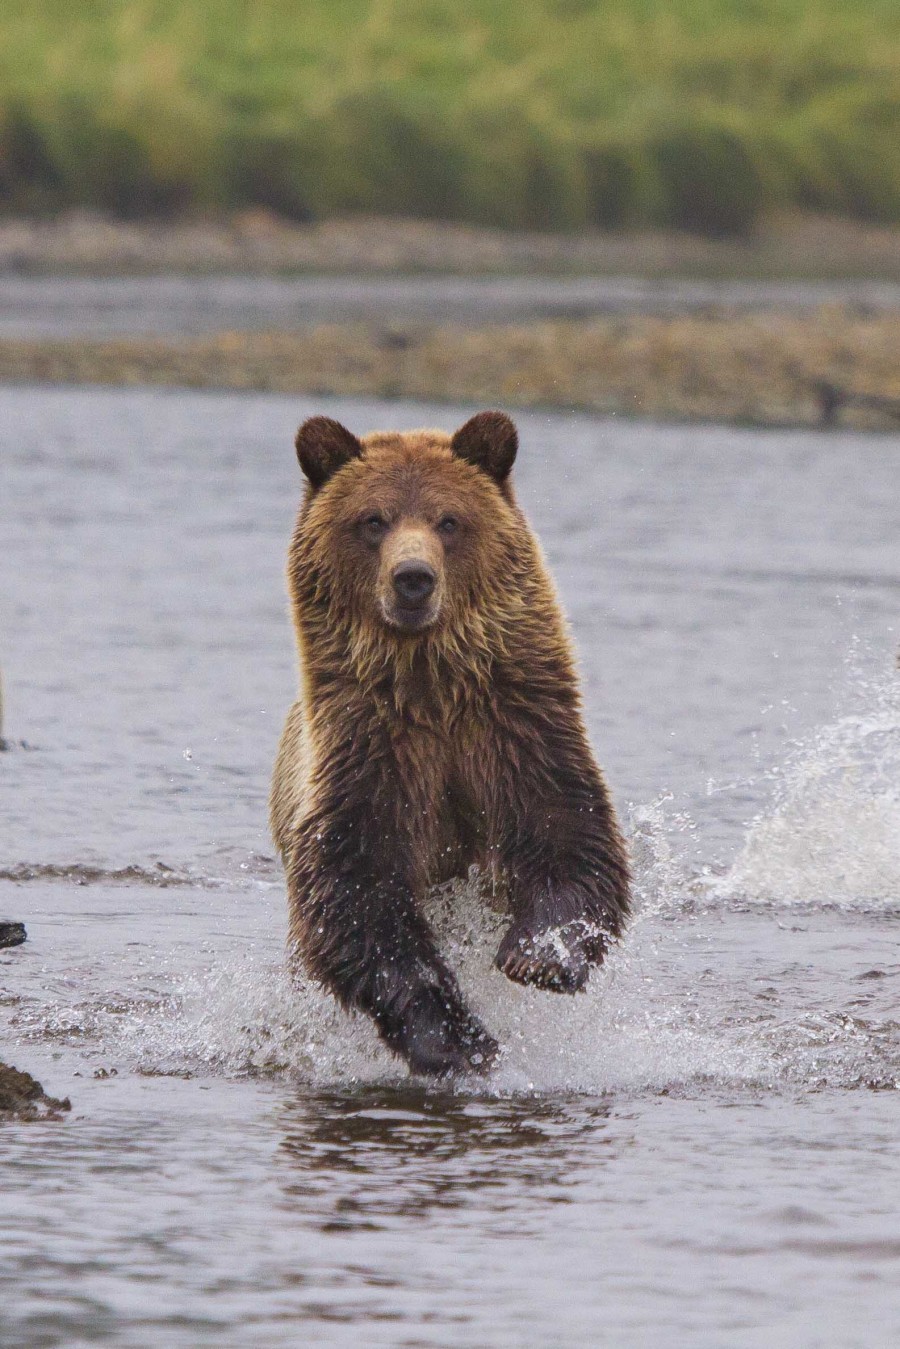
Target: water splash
x=832 y=833
x=673 y=1010
x=247 y=1017
x=699 y=998
x=657 y=836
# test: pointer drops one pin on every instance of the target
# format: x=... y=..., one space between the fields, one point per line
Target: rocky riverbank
x=608 y=323
x=834 y=365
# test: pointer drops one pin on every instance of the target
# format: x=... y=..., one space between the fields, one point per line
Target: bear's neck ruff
x=430 y=674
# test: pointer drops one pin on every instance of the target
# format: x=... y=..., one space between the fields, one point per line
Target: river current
x=700 y=1151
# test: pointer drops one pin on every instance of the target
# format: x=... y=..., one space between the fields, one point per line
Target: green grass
x=562 y=114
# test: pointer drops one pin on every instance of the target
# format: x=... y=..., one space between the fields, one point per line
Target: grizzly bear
x=438 y=725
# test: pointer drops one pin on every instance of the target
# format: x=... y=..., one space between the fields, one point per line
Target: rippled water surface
x=700 y=1151
x=82 y=306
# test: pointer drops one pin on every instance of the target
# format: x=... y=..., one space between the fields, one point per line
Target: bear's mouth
x=410 y=617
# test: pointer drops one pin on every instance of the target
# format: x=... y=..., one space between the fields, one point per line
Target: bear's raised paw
x=553 y=960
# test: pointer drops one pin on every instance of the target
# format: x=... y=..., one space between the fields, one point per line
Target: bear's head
x=403 y=530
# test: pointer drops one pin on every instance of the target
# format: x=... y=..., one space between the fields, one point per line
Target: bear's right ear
x=324 y=446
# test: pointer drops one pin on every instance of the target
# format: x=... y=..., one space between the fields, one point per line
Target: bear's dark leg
x=357 y=928
x=565 y=861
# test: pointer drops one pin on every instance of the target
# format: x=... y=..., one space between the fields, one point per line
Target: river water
x=702 y=1150
x=128 y=306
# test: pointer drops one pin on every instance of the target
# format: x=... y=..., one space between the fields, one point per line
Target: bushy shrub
x=550 y=114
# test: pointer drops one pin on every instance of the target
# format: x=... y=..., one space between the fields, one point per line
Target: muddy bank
x=22 y=1097
x=832 y=366
x=260 y=242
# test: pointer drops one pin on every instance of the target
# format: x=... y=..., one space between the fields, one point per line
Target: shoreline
x=258 y=242
x=797 y=326
x=832 y=367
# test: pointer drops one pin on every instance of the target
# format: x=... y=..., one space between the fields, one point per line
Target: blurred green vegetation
x=559 y=114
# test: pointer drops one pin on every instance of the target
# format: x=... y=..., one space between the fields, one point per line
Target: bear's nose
x=413 y=581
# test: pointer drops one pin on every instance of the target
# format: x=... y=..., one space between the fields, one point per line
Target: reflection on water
x=359 y=1159
x=700 y=1150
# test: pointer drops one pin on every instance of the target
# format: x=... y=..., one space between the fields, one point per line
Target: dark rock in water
x=24 y=1098
x=11 y=933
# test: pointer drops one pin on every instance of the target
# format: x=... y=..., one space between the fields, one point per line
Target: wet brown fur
x=411 y=754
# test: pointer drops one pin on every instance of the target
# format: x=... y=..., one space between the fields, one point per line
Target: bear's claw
x=542 y=963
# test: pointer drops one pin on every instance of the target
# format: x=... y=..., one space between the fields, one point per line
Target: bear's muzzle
x=411 y=578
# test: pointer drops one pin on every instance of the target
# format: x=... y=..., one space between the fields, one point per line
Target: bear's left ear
x=488 y=440
x=324 y=446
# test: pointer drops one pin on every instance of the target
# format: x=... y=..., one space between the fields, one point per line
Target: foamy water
x=700 y=1149
x=833 y=834
x=654 y=1018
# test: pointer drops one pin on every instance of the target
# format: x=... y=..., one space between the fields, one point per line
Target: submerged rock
x=24 y=1098
x=11 y=933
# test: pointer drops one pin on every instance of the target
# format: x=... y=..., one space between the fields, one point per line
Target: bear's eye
x=374 y=527
x=448 y=524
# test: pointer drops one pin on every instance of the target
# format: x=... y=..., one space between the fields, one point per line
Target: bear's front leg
x=560 y=846
x=356 y=926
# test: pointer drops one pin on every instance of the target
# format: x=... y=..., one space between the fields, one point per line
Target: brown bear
x=438 y=725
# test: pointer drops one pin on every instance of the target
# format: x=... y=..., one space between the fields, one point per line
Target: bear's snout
x=414 y=582
x=411 y=579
